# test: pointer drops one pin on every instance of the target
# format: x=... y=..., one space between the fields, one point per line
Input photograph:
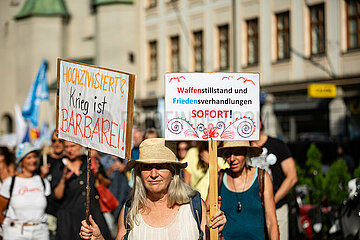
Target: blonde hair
x=178 y=193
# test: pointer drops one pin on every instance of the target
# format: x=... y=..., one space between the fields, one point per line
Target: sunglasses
x=235 y=152
x=57 y=140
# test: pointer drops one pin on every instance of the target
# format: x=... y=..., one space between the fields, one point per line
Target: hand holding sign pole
x=95 y=109
x=211 y=107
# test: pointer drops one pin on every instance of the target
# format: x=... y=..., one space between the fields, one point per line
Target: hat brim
x=253 y=151
x=131 y=164
x=21 y=157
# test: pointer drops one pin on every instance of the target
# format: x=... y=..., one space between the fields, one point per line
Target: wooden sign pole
x=213 y=191
x=87 y=211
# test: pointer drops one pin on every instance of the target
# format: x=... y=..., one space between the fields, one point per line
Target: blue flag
x=38 y=92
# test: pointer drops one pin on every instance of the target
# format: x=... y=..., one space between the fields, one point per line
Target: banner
x=95 y=107
x=37 y=93
x=218 y=106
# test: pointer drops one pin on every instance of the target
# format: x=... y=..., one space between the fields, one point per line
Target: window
x=253 y=41
x=283 y=35
x=198 y=51
x=175 y=54
x=353 y=22
x=317 y=28
x=153 y=60
x=224 y=47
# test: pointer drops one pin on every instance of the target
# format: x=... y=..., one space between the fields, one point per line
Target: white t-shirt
x=183 y=227
x=28 y=201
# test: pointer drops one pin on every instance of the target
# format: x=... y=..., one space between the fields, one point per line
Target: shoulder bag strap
x=261 y=173
x=196 y=209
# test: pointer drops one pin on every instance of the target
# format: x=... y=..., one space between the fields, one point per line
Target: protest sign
x=95 y=107
x=217 y=106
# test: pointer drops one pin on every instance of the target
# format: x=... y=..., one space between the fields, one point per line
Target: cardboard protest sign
x=217 y=106
x=95 y=107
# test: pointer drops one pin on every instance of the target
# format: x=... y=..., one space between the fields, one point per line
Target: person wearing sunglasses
x=247 y=195
x=51 y=161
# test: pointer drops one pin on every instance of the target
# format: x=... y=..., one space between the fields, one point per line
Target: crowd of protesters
x=43 y=193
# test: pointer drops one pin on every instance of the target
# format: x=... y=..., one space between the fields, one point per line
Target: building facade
x=291 y=43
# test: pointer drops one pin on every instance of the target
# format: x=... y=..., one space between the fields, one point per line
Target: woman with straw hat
x=160 y=202
x=240 y=190
x=24 y=198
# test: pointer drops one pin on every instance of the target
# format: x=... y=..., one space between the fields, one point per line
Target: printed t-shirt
x=28 y=199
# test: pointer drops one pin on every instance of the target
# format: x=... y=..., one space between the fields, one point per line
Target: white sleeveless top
x=184 y=227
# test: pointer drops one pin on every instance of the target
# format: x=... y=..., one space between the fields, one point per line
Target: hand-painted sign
x=95 y=107
x=218 y=106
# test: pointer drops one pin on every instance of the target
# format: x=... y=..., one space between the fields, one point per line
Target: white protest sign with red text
x=94 y=107
x=218 y=106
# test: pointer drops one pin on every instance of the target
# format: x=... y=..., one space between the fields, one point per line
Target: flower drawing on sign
x=246 y=80
x=210 y=132
x=176 y=78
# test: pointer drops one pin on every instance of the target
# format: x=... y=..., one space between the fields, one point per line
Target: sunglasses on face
x=235 y=152
x=57 y=140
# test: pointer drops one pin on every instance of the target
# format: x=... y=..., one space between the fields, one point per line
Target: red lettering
x=103 y=132
x=64 y=119
x=87 y=126
x=71 y=122
x=98 y=132
x=111 y=133
x=78 y=123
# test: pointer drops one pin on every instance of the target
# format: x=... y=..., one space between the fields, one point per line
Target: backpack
x=196 y=209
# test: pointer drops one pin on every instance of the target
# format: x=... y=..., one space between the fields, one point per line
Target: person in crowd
x=53 y=161
x=137 y=139
x=7 y=164
x=343 y=154
x=71 y=190
x=284 y=176
x=115 y=168
x=241 y=195
x=23 y=199
x=181 y=150
x=151 y=133
x=102 y=183
x=160 y=202
x=196 y=174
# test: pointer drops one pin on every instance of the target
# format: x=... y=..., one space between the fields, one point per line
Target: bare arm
x=187 y=177
x=3 y=203
x=289 y=169
x=270 y=209
x=121 y=226
x=60 y=188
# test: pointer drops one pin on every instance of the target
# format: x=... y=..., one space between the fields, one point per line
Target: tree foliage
x=323 y=186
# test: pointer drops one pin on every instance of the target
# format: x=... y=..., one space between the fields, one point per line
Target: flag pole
x=87 y=212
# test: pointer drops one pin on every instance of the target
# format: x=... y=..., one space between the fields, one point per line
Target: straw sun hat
x=252 y=151
x=153 y=150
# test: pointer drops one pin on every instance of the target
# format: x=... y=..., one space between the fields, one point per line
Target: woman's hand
x=204 y=155
x=91 y=231
x=219 y=218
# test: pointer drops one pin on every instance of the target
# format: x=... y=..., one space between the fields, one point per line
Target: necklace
x=239 y=206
